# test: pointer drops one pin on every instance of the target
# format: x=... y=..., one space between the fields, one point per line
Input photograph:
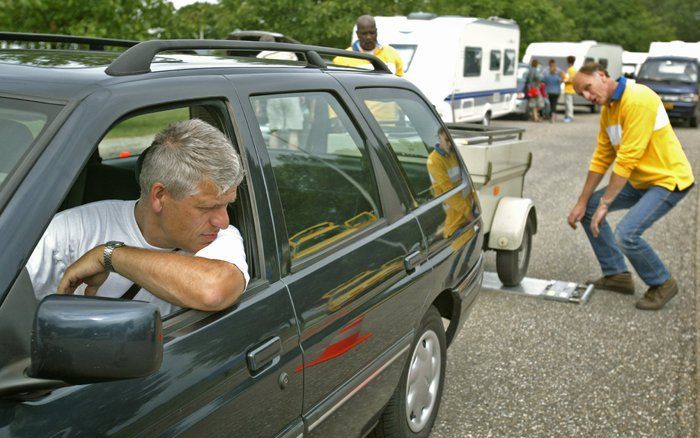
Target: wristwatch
x=107 y=254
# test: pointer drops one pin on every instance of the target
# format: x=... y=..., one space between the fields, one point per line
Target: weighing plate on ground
x=555 y=290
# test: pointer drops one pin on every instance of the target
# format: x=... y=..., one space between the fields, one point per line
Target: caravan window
x=588 y=59
x=406 y=51
x=603 y=62
x=472 y=61
x=495 y=63
x=509 y=62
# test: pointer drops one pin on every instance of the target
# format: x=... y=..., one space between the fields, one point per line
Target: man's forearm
x=185 y=280
x=615 y=186
x=592 y=181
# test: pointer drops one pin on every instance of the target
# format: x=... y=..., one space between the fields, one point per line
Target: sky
x=180 y=3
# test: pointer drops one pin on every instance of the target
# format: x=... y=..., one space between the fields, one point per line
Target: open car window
x=109 y=177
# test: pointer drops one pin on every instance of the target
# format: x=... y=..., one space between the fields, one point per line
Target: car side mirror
x=81 y=339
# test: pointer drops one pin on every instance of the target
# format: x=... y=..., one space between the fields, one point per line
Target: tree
x=128 y=19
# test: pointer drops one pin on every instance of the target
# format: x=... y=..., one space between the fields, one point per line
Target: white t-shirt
x=74 y=232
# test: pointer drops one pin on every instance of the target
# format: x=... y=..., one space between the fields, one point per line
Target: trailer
x=498 y=160
x=465 y=66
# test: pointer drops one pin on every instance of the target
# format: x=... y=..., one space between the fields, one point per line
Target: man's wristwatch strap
x=107 y=254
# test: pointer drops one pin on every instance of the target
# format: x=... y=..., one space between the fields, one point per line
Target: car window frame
x=407 y=190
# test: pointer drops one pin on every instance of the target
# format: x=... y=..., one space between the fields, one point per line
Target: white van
x=631 y=61
x=465 y=66
x=609 y=55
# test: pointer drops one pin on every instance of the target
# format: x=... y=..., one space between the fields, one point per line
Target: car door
x=224 y=373
x=350 y=254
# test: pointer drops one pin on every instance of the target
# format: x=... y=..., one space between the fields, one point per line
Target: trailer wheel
x=486 y=120
x=511 y=266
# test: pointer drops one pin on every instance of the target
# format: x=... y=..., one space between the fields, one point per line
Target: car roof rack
x=97 y=44
x=137 y=59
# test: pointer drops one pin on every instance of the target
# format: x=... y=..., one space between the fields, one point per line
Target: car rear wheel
x=511 y=266
x=413 y=407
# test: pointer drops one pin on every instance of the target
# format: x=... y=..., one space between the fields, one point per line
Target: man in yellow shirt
x=650 y=175
x=367 y=43
x=445 y=173
x=569 y=91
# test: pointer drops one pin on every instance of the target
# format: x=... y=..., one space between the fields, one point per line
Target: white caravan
x=465 y=66
x=631 y=61
x=609 y=55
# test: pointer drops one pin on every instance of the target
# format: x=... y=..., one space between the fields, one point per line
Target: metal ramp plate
x=548 y=289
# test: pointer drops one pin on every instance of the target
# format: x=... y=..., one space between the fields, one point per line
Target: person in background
x=553 y=78
x=569 y=91
x=535 y=97
x=650 y=176
x=367 y=43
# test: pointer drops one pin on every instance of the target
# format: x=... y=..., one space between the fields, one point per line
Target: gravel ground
x=525 y=367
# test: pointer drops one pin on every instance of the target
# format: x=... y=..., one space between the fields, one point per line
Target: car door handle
x=411 y=261
x=261 y=355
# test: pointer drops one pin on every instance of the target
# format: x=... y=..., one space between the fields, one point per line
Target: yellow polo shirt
x=636 y=134
x=387 y=54
x=445 y=174
x=569 y=80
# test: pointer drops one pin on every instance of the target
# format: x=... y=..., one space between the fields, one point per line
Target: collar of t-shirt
x=621 y=84
x=440 y=150
x=357 y=48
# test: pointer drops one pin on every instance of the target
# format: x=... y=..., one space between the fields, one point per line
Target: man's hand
x=598 y=217
x=576 y=214
x=87 y=269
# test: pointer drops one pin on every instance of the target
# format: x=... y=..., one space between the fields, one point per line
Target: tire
x=511 y=266
x=693 y=122
x=426 y=364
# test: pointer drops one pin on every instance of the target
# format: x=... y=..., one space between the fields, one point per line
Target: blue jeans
x=645 y=207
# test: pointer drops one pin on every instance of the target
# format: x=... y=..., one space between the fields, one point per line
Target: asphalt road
x=526 y=367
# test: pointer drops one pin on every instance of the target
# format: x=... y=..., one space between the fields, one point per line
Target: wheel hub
x=423 y=381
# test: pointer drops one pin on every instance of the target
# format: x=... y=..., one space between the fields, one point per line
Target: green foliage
x=630 y=23
x=128 y=19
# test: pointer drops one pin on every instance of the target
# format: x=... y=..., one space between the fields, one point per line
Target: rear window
x=21 y=123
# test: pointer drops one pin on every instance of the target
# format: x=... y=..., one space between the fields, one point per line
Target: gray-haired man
x=189 y=175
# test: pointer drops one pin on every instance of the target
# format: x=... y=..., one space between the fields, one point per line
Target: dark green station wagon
x=357 y=285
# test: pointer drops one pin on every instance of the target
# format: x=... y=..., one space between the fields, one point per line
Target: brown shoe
x=621 y=283
x=657 y=296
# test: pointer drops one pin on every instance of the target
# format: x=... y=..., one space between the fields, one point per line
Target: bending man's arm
x=617 y=182
x=187 y=281
x=576 y=214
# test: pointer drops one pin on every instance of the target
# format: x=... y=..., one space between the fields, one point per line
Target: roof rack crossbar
x=94 y=43
x=137 y=59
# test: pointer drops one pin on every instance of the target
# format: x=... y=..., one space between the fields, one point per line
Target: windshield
x=406 y=51
x=21 y=122
x=668 y=70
